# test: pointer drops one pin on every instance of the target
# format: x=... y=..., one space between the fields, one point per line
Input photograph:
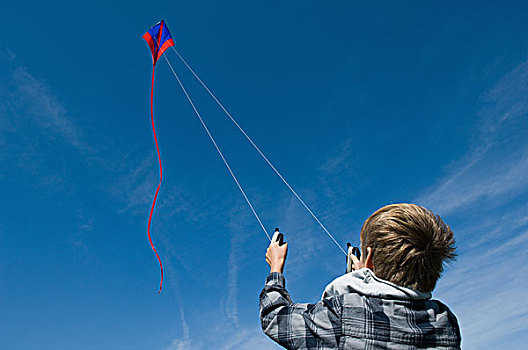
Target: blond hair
x=409 y=245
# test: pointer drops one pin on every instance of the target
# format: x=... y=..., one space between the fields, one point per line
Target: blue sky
x=358 y=105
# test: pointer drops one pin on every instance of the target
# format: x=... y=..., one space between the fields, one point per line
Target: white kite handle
x=278 y=237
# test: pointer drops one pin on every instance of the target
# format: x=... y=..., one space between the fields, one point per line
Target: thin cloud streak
x=231 y=338
x=480 y=180
x=485 y=286
x=497 y=162
x=227 y=331
x=310 y=240
x=33 y=98
x=231 y=308
x=183 y=342
x=241 y=221
x=135 y=184
x=34 y=127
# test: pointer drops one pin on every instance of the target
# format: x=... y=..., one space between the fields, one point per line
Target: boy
x=385 y=303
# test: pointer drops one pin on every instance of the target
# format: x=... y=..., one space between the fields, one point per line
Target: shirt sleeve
x=298 y=326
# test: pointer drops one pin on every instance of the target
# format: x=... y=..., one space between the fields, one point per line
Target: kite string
x=257 y=148
x=161 y=175
x=217 y=148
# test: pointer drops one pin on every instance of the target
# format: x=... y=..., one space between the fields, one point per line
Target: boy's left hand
x=276 y=256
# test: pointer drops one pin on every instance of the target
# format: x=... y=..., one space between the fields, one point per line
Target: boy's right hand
x=356 y=264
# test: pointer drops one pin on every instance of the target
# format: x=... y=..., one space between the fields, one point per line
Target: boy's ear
x=368 y=260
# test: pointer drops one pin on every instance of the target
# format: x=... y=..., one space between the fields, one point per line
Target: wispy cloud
x=222 y=335
x=485 y=193
x=85 y=226
x=310 y=240
x=230 y=338
x=231 y=307
x=240 y=222
x=225 y=329
x=136 y=177
x=28 y=96
x=341 y=159
x=485 y=179
x=486 y=286
x=34 y=127
x=495 y=168
x=45 y=109
x=182 y=342
x=135 y=183
x=246 y=338
x=340 y=164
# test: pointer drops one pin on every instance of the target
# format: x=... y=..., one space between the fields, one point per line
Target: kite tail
x=161 y=176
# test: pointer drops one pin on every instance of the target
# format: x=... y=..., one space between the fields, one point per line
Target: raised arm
x=293 y=325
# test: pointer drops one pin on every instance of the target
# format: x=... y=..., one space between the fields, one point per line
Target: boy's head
x=408 y=245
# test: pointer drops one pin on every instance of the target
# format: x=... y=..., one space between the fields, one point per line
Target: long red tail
x=161 y=176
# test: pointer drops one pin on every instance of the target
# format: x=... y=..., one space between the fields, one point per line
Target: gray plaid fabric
x=354 y=320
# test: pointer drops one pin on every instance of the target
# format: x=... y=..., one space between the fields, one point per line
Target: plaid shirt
x=355 y=321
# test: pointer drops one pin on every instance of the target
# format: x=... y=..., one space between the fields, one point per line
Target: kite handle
x=351 y=251
x=278 y=237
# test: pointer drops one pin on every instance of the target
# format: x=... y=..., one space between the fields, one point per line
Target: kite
x=158 y=39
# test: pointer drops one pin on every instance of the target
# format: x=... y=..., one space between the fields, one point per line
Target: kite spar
x=158 y=39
